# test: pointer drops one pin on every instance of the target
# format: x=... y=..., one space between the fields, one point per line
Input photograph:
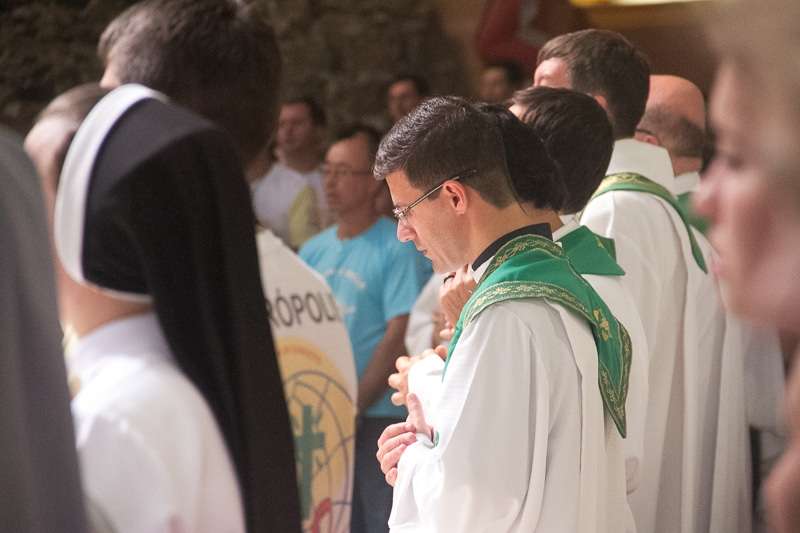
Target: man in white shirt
x=675 y=119
x=558 y=465
x=695 y=472
x=288 y=197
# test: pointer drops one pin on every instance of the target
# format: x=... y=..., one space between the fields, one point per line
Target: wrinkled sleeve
x=420 y=322
x=484 y=467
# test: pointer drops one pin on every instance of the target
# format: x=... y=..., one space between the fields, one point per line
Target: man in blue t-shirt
x=376 y=280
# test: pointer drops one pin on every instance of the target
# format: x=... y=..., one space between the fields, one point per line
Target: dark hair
x=606 y=63
x=73 y=105
x=442 y=137
x=420 y=84
x=315 y=111
x=680 y=136
x=534 y=177
x=577 y=134
x=219 y=58
x=513 y=71
x=372 y=135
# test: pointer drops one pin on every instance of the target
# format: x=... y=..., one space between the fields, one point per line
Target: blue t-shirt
x=375 y=278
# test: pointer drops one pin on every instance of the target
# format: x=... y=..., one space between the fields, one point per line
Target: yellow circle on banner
x=323 y=421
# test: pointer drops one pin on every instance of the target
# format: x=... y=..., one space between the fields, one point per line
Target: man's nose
x=404 y=231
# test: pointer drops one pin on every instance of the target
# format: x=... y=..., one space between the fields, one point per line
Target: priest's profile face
x=754 y=222
x=429 y=224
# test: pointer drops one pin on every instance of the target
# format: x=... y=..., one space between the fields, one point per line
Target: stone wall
x=342 y=52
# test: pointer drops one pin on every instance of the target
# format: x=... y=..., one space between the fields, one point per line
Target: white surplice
x=419 y=333
x=695 y=472
x=612 y=291
x=152 y=458
x=685 y=183
x=523 y=444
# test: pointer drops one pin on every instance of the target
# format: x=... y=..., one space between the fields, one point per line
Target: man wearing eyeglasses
x=375 y=280
x=526 y=432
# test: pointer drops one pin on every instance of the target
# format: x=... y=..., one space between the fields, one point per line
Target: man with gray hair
x=675 y=119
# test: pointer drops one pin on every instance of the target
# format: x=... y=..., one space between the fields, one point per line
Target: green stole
x=531 y=266
x=630 y=181
x=590 y=253
x=685 y=201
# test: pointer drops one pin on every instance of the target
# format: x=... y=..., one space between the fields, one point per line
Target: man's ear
x=646 y=137
x=600 y=99
x=456 y=196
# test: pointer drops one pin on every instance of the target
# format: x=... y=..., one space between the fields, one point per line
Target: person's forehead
x=399 y=185
x=352 y=151
x=728 y=110
x=295 y=110
x=495 y=73
x=402 y=87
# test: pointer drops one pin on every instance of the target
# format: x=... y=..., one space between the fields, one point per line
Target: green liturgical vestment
x=530 y=266
x=630 y=181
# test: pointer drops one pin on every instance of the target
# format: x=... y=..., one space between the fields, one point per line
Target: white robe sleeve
x=419 y=333
x=425 y=380
x=508 y=427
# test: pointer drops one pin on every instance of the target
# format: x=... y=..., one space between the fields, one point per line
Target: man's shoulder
x=280 y=179
x=638 y=212
x=130 y=391
x=530 y=313
x=318 y=243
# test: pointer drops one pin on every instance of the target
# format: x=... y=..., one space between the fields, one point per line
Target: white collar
x=477 y=273
x=650 y=161
x=138 y=335
x=687 y=182
x=570 y=225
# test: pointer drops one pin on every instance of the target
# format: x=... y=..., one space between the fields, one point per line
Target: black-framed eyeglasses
x=400 y=213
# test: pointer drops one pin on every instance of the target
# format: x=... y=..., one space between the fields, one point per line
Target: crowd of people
x=557 y=308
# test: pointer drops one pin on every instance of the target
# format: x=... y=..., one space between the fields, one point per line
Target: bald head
x=678 y=96
x=675 y=118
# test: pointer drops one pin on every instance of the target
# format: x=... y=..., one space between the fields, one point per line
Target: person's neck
x=548 y=216
x=684 y=165
x=86 y=309
x=302 y=161
x=355 y=223
x=503 y=221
